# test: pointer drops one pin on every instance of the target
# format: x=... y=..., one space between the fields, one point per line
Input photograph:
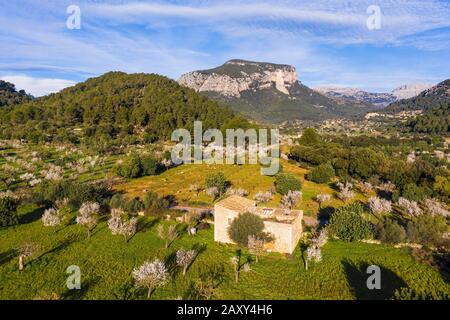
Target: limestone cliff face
x=236 y=76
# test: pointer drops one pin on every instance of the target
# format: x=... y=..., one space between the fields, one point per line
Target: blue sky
x=326 y=40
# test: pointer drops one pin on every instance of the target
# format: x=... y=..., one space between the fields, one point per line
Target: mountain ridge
x=268 y=92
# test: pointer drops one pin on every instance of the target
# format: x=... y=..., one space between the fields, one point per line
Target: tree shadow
x=199 y=248
x=384 y=194
x=357 y=279
x=78 y=294
x=171 y=264
x=32 y=216
x=324 y=215
x=144 y=226
x=59 y=247
x=7 y=256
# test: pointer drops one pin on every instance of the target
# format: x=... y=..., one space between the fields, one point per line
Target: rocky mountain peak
x=236 y=76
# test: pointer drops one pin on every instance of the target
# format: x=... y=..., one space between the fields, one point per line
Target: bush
x=427 y=230
x=138 y=166
x=217 y=180
x=406 y=293
x=285 y=182
x=130 y=168
x=8 y=211
x=348 y=224
x=149 y=165
x=245 y=225
x=154 y=203
x=129 y=205
x=414 y=193
x=322 y=173
x=391 y=232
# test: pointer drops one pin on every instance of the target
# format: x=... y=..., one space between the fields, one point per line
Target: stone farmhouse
x=284 y=225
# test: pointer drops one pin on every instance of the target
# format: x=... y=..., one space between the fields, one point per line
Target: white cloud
x=37 y=86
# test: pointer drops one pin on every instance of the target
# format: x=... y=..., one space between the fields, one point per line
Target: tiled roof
x=237 y=203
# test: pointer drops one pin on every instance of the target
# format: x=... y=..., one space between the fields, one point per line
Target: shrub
x=427 y=230
x=322 y=173
x=130 y=168
x=154 y=203
x=391 y=232
x=149 y=166
x=348 y=224
x=413 y=192
x=8 y=211
x=245 y=225
x=129 y=205
x=406 y=293
x=286 y=182
x=217 y=180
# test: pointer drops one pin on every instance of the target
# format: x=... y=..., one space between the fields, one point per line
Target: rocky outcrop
x=410 y=90
x=354 y=94
x=236 y=76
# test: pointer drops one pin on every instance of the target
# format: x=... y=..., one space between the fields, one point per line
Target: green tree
x=285 y=182
x=217 y=180
x=310 y=137
x=348 y=224
x=245 y=225
x=8 y=211
x=322 y=173
x=130 y=168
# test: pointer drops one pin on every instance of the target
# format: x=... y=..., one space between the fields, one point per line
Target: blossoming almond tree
x=88 y=216
x=151 y=275
x=185 y=258
x=119 y=226
x=51 y=218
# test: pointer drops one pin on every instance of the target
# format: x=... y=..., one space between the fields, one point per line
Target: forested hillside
x=435 y=97
x=435 y=121
x=9 y=96
x=116 y=106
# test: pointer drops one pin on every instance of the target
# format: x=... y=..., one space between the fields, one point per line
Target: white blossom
x=119 y=226
x=87 y=215
x=213 y=192
x=185 y=258
x=150 y=275
x=51 y=218
x=411 y=207
x=290 y=199
x=322 y=198
x=378 y=205
x=436 y=208
x=345 y=191
x=263 y=197
x=239 y=192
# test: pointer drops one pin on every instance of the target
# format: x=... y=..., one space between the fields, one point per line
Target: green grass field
x=106 y=263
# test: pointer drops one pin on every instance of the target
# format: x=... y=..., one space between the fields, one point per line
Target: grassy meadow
x=177 y=181
x=106 y=263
